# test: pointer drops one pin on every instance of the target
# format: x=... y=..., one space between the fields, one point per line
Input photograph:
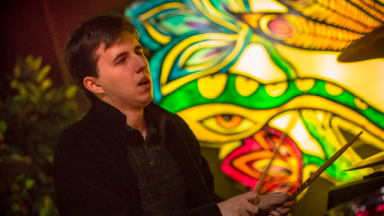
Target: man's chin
x=147 y=100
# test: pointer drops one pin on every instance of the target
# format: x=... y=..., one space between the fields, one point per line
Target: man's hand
x=241 y=205
x=275 y=204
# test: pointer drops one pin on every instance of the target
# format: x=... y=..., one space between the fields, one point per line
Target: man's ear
x=92 y=84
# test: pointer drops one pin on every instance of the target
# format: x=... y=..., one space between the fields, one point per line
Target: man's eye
x=227 y=124
x=139 y=53
x=122 y=60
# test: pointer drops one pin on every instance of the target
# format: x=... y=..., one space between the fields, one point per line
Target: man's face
x=124 y=75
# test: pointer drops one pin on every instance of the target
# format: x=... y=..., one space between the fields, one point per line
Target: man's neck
x=136 y=120
x=135 y=116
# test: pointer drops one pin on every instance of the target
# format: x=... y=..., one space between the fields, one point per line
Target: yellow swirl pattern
x=168 y=87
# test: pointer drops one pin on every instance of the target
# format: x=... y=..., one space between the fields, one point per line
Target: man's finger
x=251 y=209
x=274 y=213
x=269 y=201
x=289 y=204
x=283 y=211
x=252 y=197
x=243 y=213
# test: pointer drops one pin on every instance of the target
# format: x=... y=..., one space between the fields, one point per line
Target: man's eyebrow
x=124 y=53
x=138 y=47
x=118 y=56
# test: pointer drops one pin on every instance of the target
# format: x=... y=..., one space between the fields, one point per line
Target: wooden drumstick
x=281 y=140
x=322 y=168
x=261 y=180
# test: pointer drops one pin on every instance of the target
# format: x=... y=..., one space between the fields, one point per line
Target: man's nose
x=141 y=63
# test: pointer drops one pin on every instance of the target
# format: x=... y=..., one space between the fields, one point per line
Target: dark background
x=41 y=28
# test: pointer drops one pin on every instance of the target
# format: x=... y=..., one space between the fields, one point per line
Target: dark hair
x=80 y=53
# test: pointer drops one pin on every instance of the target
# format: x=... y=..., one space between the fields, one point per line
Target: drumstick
x=281 y=140
x=261 y=180
x=322 y=168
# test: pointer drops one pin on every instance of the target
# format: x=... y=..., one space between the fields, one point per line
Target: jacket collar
x=113 y=122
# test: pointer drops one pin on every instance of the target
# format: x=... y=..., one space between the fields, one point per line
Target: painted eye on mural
x=227 y=124
x=220 y=123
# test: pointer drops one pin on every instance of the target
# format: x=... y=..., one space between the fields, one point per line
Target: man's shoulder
x=75 y=131
x=80 y=130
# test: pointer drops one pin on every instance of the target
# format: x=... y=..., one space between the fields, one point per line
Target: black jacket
x=92 y=174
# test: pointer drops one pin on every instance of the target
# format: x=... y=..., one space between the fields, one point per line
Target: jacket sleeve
x=208 y=177
x=204 y=166
x=82 y=182
x=204 y=169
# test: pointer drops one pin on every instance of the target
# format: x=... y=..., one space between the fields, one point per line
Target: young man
x=128 y=156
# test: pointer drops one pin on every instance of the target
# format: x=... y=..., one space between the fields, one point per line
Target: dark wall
x=41 y=28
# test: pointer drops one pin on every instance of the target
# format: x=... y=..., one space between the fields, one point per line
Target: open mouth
x=144 y=82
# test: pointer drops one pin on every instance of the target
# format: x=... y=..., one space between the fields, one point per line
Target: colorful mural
x=243 y=73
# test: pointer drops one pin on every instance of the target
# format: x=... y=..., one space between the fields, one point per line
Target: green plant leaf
x=48 y=202
x=49 y=158
x=59 y=94
x=47 y=83
x=29 y=183
x=15 y=207
x=43 y=212
x=16 y=157
x=33 y=118
x=37 y=63
x=35 y=89
x=29 y=60
x=3 y=126
x=50 y=94
x=43 y=73
x=18 y=99
x=33 y=98
x=22 y=90
x=70 y=92
x=17 y=71
x=14 y=84
x=31 y=121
